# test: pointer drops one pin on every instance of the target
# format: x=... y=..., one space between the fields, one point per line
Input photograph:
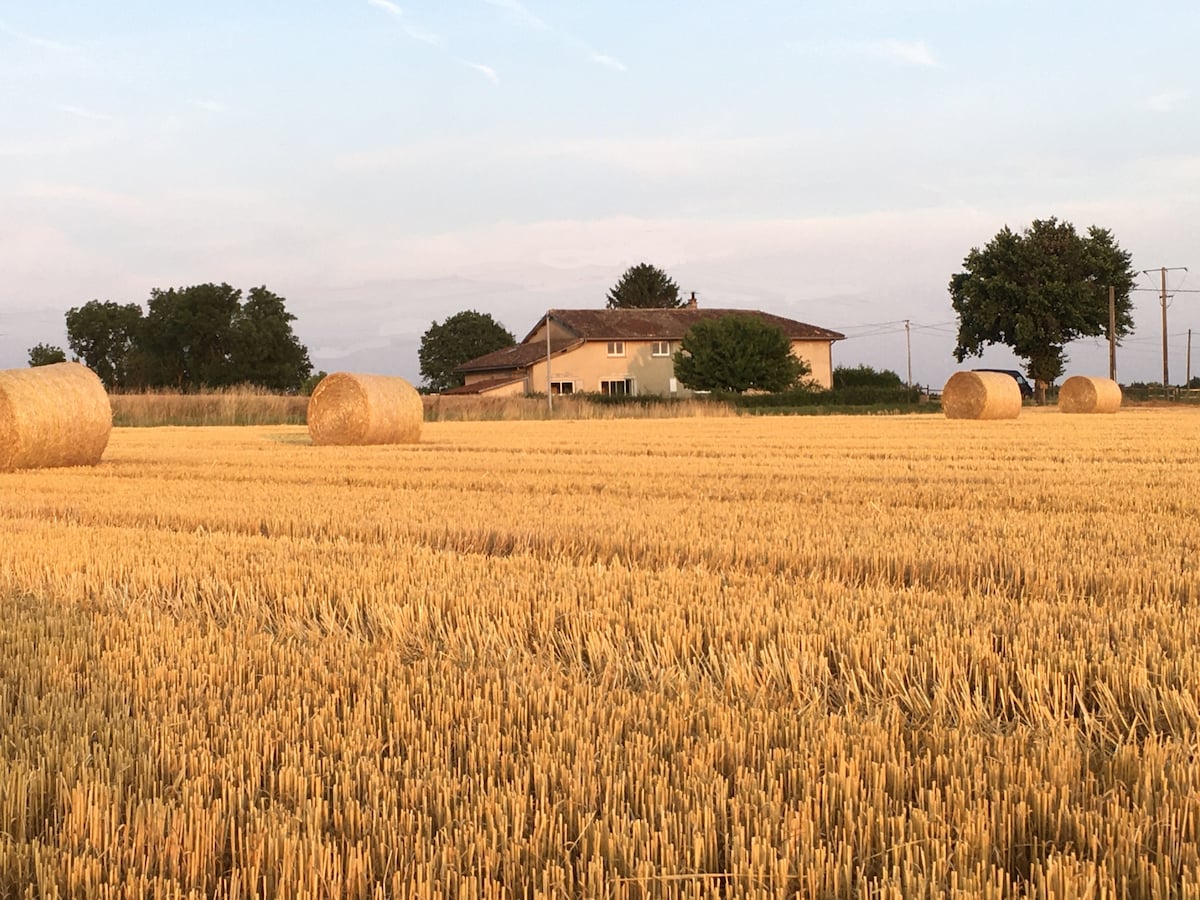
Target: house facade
x=619 y=351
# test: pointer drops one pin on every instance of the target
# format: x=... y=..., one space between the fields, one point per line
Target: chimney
x=691 y=304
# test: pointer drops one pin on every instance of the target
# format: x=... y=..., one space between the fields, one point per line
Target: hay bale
x=55 y=415
x=348 y=409
x=981 y=395
x=1083 y=394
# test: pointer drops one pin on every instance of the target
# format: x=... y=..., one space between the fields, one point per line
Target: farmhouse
x=619 y=351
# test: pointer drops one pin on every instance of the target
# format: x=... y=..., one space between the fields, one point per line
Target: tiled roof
x=517 y=356
x=482 y=387
x=666 y=324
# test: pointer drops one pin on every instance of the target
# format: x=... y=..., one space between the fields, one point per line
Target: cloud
x=212 y=106
x=417 y=34
x=610 y=62
x=521 y=12
x=487 y=71
x=1167 y=101
x=83 y=113
x=904 y=53
x=425 y=37
x=33 y=40
x=387 y=6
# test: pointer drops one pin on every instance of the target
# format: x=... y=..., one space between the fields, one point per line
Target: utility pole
x=908 y=344
x=1164 y=270
x=1112 y=332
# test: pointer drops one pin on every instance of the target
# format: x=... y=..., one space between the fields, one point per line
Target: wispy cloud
x=527 y=17
x=487 y=71
x=84 y=113
x=413 y=31
x=388 y=7
x=520 y=11
x=212 y=106
x=610 y=62
x=1167 y=101
x=34 y=40
x=907 y=53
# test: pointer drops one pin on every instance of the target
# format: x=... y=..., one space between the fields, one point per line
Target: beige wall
x=819 y=356
x=589 y=364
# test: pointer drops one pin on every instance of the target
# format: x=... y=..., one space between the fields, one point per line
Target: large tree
x=1038 y=290
x=737 y=353
x=188 y=336
x=103 y=336
x=46 y=355
x=462 y=337
x=262 y=348
x=644 y=287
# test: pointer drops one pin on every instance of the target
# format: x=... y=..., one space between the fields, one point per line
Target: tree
x=103 y=337
x=46 y=355
x=188 y=336
x=737 y=353
x=262 y=348
x=462 y=337
x=1039 y=290
x=644 y=287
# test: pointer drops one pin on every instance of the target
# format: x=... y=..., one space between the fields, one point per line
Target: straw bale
x=351 y=409
x=56 y=415
x=981 y=395
x=1084 y=394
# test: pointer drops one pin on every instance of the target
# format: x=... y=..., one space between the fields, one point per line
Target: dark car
x=1025 y=386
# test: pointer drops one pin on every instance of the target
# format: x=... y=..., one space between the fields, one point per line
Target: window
x=616 y=386
x=616 y=348
x=660 y=348
x=562 y=387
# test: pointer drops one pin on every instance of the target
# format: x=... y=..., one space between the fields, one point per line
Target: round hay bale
x=1084 y=394
x=56 y=415
x=353 y=410
x=981 y=395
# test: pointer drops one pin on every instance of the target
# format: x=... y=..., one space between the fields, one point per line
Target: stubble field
x=818 y=657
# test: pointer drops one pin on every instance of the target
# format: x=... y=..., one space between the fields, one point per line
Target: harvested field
x=841 y=657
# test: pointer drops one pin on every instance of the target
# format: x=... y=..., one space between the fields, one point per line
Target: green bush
x=865 y=376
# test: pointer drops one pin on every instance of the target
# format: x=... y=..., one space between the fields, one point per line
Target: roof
x=482 y=387
x=665 y=324
x=517 y=356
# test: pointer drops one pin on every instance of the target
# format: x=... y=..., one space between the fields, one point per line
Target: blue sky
x=386 y=163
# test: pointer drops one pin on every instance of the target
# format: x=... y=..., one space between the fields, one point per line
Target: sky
x=384 y=164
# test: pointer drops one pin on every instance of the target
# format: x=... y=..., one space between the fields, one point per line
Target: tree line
x=187 y=338
x=1033 y=291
